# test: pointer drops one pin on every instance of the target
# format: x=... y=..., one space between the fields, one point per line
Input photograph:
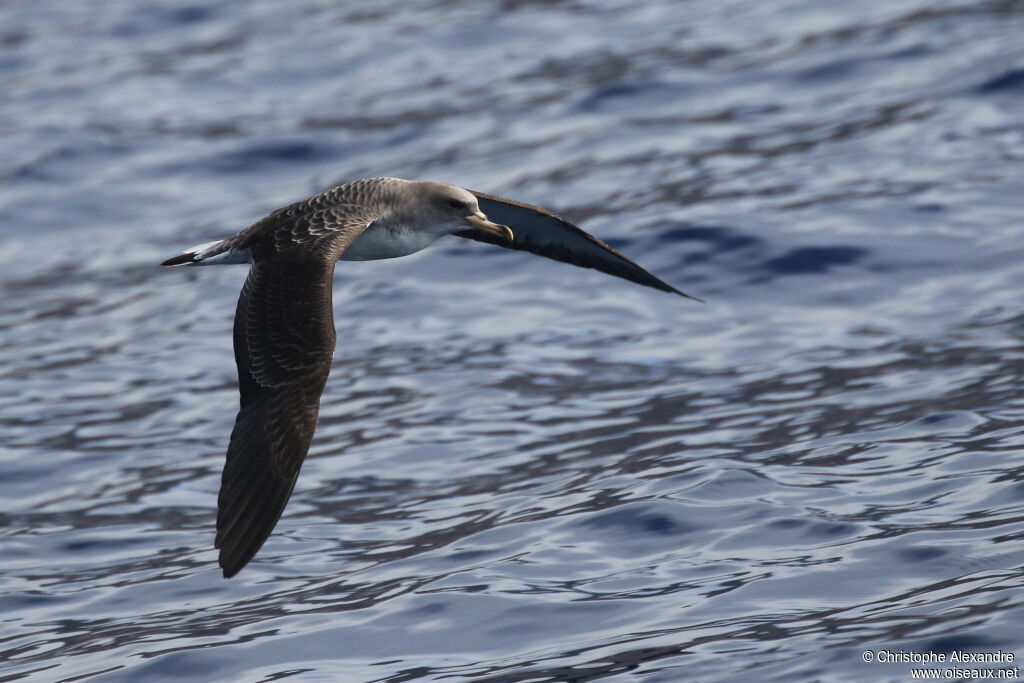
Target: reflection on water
x=523 y=471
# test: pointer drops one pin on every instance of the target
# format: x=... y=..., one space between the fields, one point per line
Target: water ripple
x=523 y=471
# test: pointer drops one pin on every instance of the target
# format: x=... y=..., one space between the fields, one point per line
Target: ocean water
x=524 y=471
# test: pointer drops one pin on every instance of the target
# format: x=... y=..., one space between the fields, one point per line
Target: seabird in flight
x=284 y=324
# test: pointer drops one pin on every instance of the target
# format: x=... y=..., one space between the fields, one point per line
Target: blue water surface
x=524 y=471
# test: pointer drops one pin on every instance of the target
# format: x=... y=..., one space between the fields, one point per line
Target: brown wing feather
x=284 y=341
x=544 y=233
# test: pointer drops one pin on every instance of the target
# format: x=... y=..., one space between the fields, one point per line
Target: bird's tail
x=211 y=253
x=180 y=259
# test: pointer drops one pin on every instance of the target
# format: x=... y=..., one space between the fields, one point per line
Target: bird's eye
x=456 y=203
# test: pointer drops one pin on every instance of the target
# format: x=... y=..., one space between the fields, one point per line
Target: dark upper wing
x=541 y=232
x=284 y=341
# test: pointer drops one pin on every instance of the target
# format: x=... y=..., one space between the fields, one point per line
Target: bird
x=284 y=333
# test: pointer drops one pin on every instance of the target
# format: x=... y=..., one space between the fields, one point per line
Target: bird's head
x=456 y=209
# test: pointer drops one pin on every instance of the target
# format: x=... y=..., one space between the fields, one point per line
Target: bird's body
x=375 y=209
x=284 y=326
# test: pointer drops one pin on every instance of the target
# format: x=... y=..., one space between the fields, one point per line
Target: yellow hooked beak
x=479 y=220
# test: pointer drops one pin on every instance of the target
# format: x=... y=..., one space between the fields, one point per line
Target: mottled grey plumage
x=284 y=324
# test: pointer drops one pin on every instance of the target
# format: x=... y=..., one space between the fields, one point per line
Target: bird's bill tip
x=479 y=221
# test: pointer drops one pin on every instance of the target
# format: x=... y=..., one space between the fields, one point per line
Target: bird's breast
x=380 y=243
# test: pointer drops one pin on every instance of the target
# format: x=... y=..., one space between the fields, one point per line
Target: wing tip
x=688 y=296
x=231 y=560
x=656 y=283
x=229 y=570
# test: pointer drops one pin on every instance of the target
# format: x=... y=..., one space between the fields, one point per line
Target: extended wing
x=541 y=232
x=284 y=342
